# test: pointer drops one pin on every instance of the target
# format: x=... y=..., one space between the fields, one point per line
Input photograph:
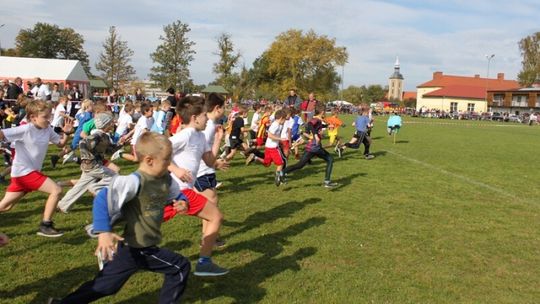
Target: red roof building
x=459 y=93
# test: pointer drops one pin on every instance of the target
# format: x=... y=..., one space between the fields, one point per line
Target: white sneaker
x=70 y=157
x=116 y=155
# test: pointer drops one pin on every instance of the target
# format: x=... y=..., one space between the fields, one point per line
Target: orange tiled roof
x=499 y=83
x=459 y=91
x=409 y=95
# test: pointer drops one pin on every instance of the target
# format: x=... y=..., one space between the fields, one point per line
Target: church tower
x=395 y=85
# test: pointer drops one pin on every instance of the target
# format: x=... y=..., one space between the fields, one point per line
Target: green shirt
x=144 y=213
x=89 y=126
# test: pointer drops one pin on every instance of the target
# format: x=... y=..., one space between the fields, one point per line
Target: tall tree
x=306 y=61
x=114 y=61
x=50 y=41
x=172 y=57
x=228 y=60
x=530 y=50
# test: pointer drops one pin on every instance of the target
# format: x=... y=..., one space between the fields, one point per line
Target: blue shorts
x=204 y=182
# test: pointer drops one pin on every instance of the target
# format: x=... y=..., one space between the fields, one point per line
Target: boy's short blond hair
x=37 y=106
x=86 y=104
x=152 y=144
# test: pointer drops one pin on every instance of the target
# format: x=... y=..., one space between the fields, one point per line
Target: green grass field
x=448 y=214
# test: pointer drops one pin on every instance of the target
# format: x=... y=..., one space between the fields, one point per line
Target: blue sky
x=448 y=36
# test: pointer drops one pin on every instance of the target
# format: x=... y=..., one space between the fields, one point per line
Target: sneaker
x=70 y=157
x=116 y=155
x=339 y=152
x=209 y=270
x=54 y=301
x=223 y=155
x=243 y=153
x=54 y=160
x=48 y=230
x=250 y=159
x=277 y=179
x=330 y=185
x=218 y=185
x=90 y=231
x=369 y=156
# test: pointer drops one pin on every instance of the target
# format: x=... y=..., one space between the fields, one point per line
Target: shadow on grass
x=243 y=283
x=402 y=141
x=379 y=153
x=54 y=286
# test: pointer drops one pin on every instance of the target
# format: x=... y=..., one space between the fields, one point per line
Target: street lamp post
x=1 y=26
x=488 y=57
x=342 y=75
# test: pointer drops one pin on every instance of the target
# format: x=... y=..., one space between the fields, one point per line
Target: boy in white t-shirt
x=144 y=124
x=125 y=124
x=31 y=143
x=189 y=148
x=59 y=115
x=272 y=151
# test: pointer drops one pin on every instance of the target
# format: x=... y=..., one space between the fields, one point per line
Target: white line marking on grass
x=455 y=175
x=461 y=124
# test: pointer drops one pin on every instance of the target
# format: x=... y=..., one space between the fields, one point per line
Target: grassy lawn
x=448 y=214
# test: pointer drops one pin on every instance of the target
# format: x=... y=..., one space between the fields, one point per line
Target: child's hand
x=4 y=240
x=68 y=125
x=107 y=244
x=219 y=133
x=184 y=175
x=180 y=207
x=221 y=164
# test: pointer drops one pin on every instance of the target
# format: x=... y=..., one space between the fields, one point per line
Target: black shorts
x=235 y=143
x=204 y=182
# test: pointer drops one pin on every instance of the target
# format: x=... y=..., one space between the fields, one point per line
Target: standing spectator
x=55 y=93
x=40 y=90
x=15 y=89
x=293 y=100
x=311 y=105
x=139 y=96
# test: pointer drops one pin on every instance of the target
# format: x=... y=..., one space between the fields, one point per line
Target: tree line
x=305 y=61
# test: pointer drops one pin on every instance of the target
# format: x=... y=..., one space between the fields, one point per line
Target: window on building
x=470 y=107
x=453 y=107
x=538 y=101
x=498 y=100
x=519 y=101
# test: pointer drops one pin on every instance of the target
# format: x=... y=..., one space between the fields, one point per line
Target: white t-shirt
x=31 y=146
x=144 y=123
x=209 y=134
x=123 y=123
x=286 y=127
x=275 y=129
x=255 y=121
x=57 y=117
x=41 y=92
x=188 y=147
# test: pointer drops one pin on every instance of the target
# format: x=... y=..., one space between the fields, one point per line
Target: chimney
x=500 y=76
x=476 y=76
x=437 y=75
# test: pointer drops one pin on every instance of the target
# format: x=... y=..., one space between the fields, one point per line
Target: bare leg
x=49 y=186
x=9 y=200
x=214 y=217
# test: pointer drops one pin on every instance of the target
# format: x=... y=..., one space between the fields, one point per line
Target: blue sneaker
x=209 y=270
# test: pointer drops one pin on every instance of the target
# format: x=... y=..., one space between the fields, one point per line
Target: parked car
x=514 y=118
x=496 y=116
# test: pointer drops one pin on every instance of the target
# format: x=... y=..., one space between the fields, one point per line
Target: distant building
x=515 y=101
x=459 y=93
x=152 y=90
x=395 y=84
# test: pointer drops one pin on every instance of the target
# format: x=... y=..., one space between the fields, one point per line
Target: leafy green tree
x=305 y=61
x=50 y=41
x=373 y=93
x=228 y=60
x=114 y=61
x=172 y=57
x=530 y=50
x=353 y=94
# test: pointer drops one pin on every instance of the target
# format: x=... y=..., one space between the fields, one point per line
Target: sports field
x=450 y=213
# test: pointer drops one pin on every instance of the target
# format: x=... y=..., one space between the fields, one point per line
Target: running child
x=31 y=142
x=144 y=124
x=140 y=198
x=360 y=136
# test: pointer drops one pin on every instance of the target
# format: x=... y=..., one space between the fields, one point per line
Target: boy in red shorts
x=272 y=150
x=31 y=143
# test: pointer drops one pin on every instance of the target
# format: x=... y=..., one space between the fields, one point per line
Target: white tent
x=341 y=103
x=49 y=70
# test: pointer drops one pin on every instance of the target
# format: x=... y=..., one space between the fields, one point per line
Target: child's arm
x=183 y=174
x=210 y=157
x=67 y=129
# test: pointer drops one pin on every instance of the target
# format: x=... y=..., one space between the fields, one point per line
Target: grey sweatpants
x=93 y=180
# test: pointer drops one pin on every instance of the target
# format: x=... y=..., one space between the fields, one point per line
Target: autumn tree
x=173 y=57
x=50 y=41
x=530 y=65
x=228 y=60
x=114 y=61
x=306 y=61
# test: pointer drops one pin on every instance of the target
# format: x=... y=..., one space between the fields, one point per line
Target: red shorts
x=196 y=203
x=260 y=141
x=272 y=155
x=28 y=183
